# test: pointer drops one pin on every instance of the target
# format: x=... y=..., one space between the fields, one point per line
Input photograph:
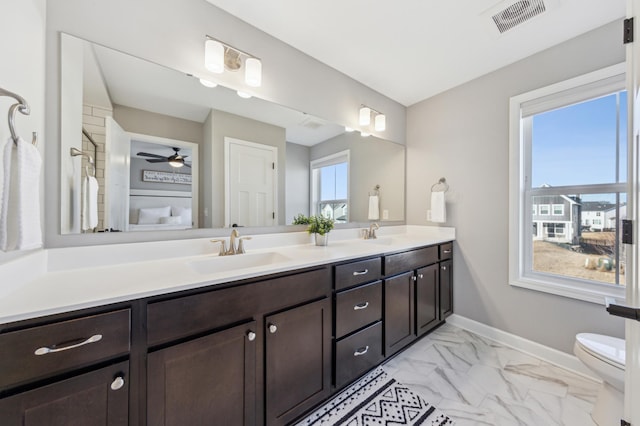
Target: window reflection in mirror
x=330 y=183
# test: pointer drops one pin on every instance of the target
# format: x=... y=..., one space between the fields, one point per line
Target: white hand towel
x=438 y=209
x=20 y=208
x=89 y=203
x=374 y=207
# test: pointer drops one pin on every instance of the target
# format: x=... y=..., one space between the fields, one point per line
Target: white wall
x=297 y=181
x=22 y=31
x=172 y=33
x=463 y=135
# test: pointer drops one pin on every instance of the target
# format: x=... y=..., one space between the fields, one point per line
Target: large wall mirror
x=145 y=147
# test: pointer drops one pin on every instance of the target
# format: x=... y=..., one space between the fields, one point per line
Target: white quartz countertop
x=61 y=280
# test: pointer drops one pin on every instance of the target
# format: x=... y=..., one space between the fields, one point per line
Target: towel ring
x=442 y=181
x=74 y=152
x=21 y=106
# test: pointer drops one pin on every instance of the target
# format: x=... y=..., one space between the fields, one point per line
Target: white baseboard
x=553 y=356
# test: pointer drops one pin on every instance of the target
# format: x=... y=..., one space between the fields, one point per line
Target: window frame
x=553 y=209
x=545 y=207
x=520 y=200
x=315 y=183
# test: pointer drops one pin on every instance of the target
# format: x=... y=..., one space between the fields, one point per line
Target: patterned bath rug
x=376 y=399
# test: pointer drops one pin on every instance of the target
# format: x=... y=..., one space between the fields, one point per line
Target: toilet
x=605 y=356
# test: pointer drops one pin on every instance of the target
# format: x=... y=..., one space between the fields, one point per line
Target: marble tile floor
x=477 y=381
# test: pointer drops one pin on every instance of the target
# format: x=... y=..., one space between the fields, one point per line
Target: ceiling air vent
x=517 y=13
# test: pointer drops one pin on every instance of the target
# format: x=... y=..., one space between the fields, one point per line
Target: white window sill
x=574 y=289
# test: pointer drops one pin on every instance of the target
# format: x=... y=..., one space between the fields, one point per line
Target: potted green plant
x=301 y=219
x=320 y=227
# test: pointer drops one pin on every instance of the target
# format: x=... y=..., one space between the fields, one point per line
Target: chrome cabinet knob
x=444 y=268
x=251 y=336
x=272 y=328
x=118 y=383
x=420 y=276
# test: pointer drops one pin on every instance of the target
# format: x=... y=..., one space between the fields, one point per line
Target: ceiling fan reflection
x=174 y=160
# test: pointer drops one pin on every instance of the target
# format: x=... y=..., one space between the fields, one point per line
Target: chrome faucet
x=233 y=247
x=232 y=241
x=370 y=234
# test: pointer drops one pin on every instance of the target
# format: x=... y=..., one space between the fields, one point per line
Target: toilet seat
x=606 y=348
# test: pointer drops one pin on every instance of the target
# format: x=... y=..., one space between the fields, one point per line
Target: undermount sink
x=216 y=264
x=385 y=241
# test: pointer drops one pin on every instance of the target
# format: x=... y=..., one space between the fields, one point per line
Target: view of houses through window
x=578 y=189
x=330 y=187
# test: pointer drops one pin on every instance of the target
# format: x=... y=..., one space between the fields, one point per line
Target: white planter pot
x=322 y=240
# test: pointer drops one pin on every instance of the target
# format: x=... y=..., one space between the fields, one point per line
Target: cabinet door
x=210 y=380
x=446 y=289
x=427 y=309
x=398 y=312
x=100 y=397
x=298 y=360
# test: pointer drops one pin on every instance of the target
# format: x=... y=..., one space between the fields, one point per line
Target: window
x=330 y=186
x=535 y=210
x=567 y=154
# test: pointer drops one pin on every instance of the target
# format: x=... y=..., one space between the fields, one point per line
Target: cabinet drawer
x=355 y=273
x=42 y=351
x=446 y=251
x=188 y=315
x=358 y=307
x=358 y=353
x=403 y=262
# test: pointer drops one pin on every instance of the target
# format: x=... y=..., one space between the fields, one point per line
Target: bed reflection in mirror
x=174 y=155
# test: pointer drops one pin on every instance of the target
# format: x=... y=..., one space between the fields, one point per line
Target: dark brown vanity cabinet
x=47 y=375
x=446 y=280
x=298 y=360
x=427 y=296
x=418 y=293
x=358 y=319
x=209 y=380
x=100 y=397
x=399 y=312
x=252 y=354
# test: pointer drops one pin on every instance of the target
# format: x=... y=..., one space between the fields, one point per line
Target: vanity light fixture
x=219 y=56
x=365 y=116
x=364 y=119
x=380 y=123
x=208 y=83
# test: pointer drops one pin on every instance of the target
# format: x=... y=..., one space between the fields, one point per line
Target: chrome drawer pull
x=356 y=273
x=361 y=351
x=45 y=350
x=446 y=251
x=272 y=328
x=360 y=306
x=118 y=383
x=251 y=336
x=444 y=268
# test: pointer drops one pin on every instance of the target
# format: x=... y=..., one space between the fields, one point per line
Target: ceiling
x=144 y=85
x=410 y=50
